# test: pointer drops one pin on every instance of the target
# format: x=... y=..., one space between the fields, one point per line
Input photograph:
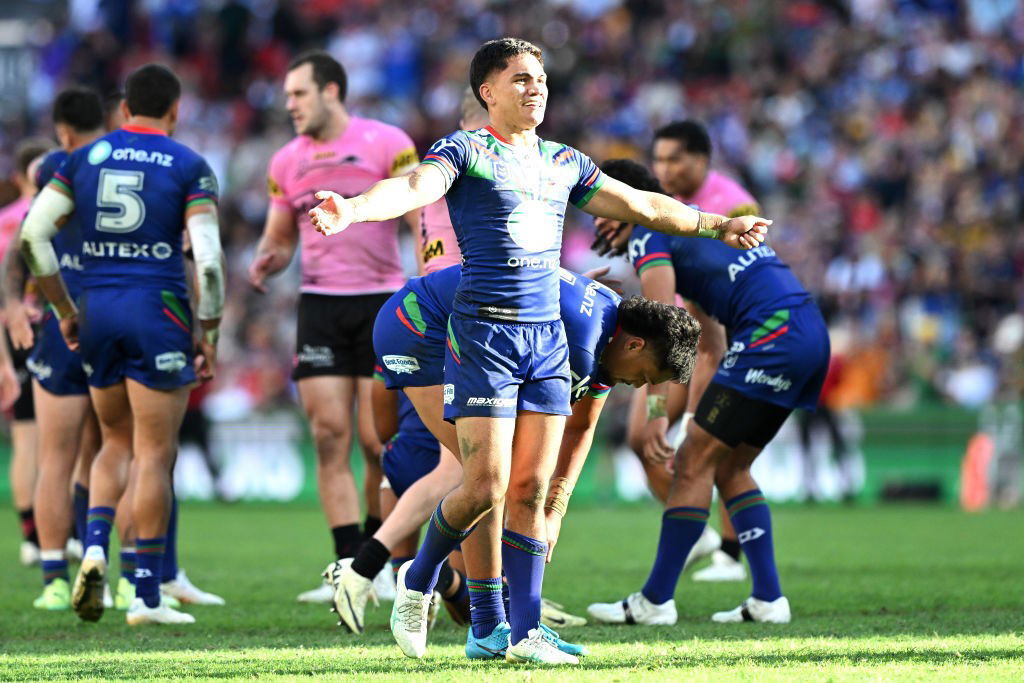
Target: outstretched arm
x=385 y=200
x=619 y=201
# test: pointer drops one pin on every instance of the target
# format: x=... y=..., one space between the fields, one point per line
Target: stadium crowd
x=919 y=274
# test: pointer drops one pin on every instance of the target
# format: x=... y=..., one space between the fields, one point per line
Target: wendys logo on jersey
x=401 y=364
x=777 y=382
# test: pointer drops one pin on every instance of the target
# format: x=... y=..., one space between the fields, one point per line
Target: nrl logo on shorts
x=449 y=394
x=401 y=364
x=172 y=361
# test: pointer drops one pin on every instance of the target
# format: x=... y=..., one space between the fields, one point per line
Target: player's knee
x=483 y=496
x=328 y=434
x=528 y=493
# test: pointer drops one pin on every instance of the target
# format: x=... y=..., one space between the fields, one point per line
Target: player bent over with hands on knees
x=507 y=372
x=135 y=191
x=776 y=360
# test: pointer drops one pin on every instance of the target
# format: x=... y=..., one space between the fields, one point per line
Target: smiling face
x=517 y=95
x=306 y=102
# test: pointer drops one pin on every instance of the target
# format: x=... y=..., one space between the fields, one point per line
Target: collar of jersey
x=497 y=136
x=142 y=129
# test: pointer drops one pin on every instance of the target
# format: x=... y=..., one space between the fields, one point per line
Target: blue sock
x=128 y=563
x=753 y=523
x=97 y=528
x=523 y=558
x=504 y=594
x=680 y=529
x=486 y=608
x=54 y=564
x=80 y=504
x=149 y=555
x=441 y=539
x=169 y=570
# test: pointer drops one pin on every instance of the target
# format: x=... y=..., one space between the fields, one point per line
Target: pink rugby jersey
x=437 y=237
x=363 y=259
x=10 y=220
x=723 y=195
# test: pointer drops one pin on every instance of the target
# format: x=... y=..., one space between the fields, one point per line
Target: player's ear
x=485 y=92
x=126 y=113
x=636 y=344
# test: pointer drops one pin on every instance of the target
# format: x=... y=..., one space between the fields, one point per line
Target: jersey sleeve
x=450 y=155
x=276 y=174
x=648 y=249
x=202 y=185
x=47 y=167
x=62 y=177
x=401 y=153
x=599 y=387
x=590 y=180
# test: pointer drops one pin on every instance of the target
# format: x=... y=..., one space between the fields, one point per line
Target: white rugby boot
x=635 y=609
x=185 y=591
x=752 y=609
x=409 y=617
x=709 y=541
x=351 y=591
x=163 y=613
x=722 y=568
x=539 y=647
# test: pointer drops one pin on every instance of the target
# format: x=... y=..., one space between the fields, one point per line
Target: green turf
x=881 y=593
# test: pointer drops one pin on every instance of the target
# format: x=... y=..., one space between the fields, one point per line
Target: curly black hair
x=670 y=332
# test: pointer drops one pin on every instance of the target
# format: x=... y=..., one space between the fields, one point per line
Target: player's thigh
x=429 y=405
x=485 y=445
x=700 y=453
x=327 y=401
x=113 y=412
x=156 y=418
x=60 y=420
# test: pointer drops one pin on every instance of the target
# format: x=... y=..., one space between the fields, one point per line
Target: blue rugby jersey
x=507 y=205
x=729 y=284
x=131 y=189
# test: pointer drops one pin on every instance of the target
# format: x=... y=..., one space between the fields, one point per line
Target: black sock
x=346 y=540
x=462 y=592
x=371 y=558
x=731 y=547
x=370 y=526
x=445 y=578
x=28 y=525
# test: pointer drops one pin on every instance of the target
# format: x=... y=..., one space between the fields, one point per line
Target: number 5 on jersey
x=117 y=190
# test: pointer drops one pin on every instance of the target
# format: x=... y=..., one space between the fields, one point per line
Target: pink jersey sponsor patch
x=437 y=237
x=363 y=259
x=723 y=195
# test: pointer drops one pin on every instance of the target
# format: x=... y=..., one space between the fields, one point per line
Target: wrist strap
x=559 y=492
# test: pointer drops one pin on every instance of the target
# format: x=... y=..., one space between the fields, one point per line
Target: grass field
x=879 y=593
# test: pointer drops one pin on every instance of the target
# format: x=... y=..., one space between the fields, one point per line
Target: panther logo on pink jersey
x=364 y=261
x=437 y=237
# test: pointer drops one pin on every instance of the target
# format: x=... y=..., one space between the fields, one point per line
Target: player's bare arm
x=17 y=314
x=619 y=201
x=276 y=247
x=386 y=199
x=576 y=440
x=710 y=350
x=658 y=284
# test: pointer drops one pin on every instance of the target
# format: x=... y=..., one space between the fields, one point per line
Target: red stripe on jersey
x=774 y=335
x=652 y=256
x=495 y=134
x=401 y=317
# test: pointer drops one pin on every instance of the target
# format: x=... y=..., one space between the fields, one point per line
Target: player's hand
x=205 y=362
x=19 y=325
x=553 y=522
x=69 y=330
x=333 y=214
x=10 y=388
x=601 y=275
x=259 y=269
x=656 y=448
x=745 y=232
